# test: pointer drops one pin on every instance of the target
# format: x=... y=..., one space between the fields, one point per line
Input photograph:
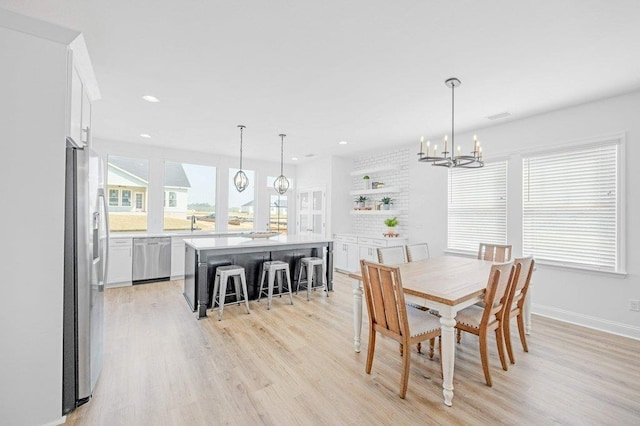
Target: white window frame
x=498 y=235
x=122 y=198
x=620 y=244
x=117 y=204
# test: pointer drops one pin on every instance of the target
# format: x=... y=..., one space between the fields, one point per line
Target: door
x=311 y=211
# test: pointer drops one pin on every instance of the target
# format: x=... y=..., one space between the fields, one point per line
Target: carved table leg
x=448 y=323
x=357 y=313
x=527 y=311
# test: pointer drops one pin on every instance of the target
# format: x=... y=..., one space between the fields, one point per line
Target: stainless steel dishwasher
x=151 y=259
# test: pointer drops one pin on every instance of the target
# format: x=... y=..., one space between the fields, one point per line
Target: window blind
x=570 y=206
x=477 y=206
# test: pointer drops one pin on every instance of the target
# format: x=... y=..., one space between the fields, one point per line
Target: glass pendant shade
x=281 y=184
x=241 y=181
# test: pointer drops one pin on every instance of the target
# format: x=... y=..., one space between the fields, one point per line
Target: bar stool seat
x=275 y=270
x=223 y=273
x=308 y=264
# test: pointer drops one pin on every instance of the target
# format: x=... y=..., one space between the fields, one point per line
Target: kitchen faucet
x=193 y=222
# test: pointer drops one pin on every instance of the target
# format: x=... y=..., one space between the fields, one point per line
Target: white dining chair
x=392 y=255
x=416 y=252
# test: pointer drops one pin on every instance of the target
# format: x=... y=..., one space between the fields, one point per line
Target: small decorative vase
x=361 y=204
x=367 y=184
x=390 y=230
x=385 y=207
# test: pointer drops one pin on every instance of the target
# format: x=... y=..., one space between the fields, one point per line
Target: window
x=127 y=176
x=189 y=191
x=241 y=204
x=114 y=197
x=126 y=198
x=570 y=206
x=173 y=200
x=278 y=213
x=477 y=206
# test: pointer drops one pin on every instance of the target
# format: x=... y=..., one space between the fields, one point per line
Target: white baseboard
x=59 y=421
x=588 y=321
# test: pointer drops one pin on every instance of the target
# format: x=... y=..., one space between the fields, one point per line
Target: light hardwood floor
x=296 y=365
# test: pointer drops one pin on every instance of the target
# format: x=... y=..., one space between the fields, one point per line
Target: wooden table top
x=446 y=279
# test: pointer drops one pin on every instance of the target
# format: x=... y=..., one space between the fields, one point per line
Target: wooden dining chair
x=480 y=321
x=515 y=303
x=494 y=252
x=416 y=252
x=389 y=316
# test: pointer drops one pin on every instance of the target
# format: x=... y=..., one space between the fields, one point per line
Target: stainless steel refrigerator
x=85 y=269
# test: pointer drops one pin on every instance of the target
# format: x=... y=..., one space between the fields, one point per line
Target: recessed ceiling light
x=310 y=155
x=145 y=135
x=294 y=158
x=342 y=143
x=150 y=98
x=499 y=115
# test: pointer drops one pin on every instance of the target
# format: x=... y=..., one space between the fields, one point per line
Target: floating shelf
x=383 y=190
x=372 y=170
x=377 y=212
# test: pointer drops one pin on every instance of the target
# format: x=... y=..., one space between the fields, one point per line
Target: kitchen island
x=204 y=255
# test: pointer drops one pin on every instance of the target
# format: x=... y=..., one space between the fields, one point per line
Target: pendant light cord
x=281 y=154
x=241 y=130
x=453 y=107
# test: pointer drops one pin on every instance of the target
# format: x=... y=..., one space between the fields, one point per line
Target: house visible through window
x=189 y=196
x=125 y=177
x=571 y=203
x=477 y=206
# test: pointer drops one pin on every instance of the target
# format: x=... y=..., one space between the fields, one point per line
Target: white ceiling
x=370 y=72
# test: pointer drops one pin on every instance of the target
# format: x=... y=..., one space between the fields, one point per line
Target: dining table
x=447 y=284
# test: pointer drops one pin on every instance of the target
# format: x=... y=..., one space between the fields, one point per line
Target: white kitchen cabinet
x=349 y=249
x=120 y=262
x=79 y=110
x=345 y=253
x=177 y=258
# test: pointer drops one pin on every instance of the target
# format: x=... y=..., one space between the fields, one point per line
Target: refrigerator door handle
x=103 y=207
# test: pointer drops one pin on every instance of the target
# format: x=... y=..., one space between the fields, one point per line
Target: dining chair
x=392 y=255
x=416 y=252
x=494 y=252
x=515 y=303
x=389 y=316
x=480 y=321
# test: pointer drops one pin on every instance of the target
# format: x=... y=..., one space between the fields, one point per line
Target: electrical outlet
x=634 y=305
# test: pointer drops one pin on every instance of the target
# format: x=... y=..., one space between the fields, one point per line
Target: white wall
x=157 y=155
x=593 y=299
x=33 y=80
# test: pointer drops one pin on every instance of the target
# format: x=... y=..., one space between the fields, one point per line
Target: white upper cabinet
x=75 y=107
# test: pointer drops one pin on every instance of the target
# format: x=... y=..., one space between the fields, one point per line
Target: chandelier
x=453 y=158
x=281 y=184
x=240 y=180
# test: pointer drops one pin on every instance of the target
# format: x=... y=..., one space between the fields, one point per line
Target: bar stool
x=274 y=270
x=223 y=273
x=309 y=264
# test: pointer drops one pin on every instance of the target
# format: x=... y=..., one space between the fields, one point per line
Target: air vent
x=499 y=115
x=310 y=155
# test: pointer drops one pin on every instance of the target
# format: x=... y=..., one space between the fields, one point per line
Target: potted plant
x=386 y=202
x=361 y=200
x=391 y=223
x=367 y=182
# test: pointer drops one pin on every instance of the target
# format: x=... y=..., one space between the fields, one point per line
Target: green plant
x=391 y=222
x=361 y=199
x=386 y=200
x=365 y=177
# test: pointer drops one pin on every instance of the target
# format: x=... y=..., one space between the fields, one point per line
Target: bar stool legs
x=223 y=273
x=309 y=264
x=276 y=271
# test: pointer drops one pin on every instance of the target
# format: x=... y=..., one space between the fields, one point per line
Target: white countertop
x=230 y=242
x=183 y=234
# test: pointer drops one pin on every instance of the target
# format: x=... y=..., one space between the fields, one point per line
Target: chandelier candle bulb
x=428 y=148
x=445 y=143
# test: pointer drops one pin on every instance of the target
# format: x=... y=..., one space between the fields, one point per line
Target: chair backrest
x=494 y=252
x=501 y=278
x=417 y=252
x=392 y=255
x=385 y=299
x=521 y=285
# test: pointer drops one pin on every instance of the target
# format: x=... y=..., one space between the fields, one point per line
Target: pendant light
x=240 y=180
x=281 y=184
x=452 y=158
